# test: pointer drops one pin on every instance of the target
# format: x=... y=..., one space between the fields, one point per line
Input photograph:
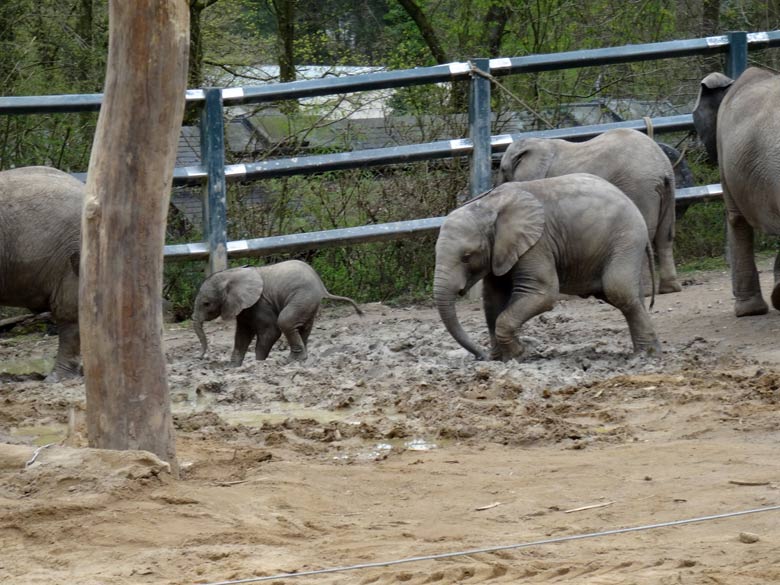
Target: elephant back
x=40 y=237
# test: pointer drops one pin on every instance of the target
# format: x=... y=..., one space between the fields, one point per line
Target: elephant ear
x=242 y=290
x=519 y=225
x=705 y=113
x=716 y=80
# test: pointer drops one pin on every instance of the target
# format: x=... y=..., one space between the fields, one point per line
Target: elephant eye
x=206 y=303
x=466 y=257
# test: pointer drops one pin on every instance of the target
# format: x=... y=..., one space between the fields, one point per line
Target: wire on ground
x=497 y=548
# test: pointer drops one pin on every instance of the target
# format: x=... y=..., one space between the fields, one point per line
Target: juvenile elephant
x=266 y=301
x=576 y=234
x=628 y=159
x=739 y=124
x=40 y=243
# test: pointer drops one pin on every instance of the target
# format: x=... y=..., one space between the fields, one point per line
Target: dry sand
x=392 y=442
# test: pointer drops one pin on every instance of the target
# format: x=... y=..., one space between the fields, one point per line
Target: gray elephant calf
x=739 y=124
x=266 y=301
x=628 y=159
x=40 y=243
x=576 y=234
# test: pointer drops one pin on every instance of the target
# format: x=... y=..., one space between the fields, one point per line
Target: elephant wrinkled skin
x=628 y=159
x=739 y=124
x=576 y=234
x=40 y=244
x=266 y=302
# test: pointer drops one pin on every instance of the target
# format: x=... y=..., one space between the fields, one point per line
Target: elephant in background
x=40 y=244
x=628 y=159
x=739 y=124
x=265 y=301
x=529 y=241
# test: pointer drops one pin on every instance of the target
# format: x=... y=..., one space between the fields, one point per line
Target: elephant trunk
x=197 y=325
x=444 y=295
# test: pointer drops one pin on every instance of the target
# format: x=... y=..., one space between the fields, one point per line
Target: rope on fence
x=498 y=548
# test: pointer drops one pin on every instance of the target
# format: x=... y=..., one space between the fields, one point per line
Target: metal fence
x=479 y=146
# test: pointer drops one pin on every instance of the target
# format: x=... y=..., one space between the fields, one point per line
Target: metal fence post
x=480 y=178
x=737 y=57
x=212 y=152
x=736 y=63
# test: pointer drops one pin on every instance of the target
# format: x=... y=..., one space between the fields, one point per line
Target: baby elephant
x=576 y=234
x=265 y=302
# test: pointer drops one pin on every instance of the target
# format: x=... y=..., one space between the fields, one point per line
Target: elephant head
x=527 y=160
x=486 y=236
x=705 y=113
x=225 y=294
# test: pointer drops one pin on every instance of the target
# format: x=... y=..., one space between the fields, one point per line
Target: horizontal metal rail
x=306 y=165
x=408 y=77
x=627 y=53
x=383 y=232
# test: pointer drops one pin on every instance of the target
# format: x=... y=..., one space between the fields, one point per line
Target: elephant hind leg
x=622 y=291
x=664 y=245
x=292 y=324
x=744 y=274
x=67 y=363
x=776 y=289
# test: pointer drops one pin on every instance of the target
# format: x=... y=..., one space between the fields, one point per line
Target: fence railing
x=479 y=146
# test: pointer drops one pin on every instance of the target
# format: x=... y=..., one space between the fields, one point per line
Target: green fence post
x=480 y=178
x=737 y=57
x=212 y=152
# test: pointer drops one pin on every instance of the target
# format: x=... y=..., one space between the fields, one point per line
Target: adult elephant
x=530 y=241
x=40 y=243
x=628 y=159
x=739 y=124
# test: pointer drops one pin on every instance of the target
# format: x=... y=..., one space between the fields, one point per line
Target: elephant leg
x=664 y=245
x=244 y=335
x=744 y=275
x=667 y=272
x=622 y=291
x=495 y=299
x=266 y=340
x=67 y=363
x=776 y=289
x=306 y=331
x=289 y=322
x=522 y=307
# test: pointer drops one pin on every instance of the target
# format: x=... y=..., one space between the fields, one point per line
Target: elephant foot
x=298 y=356
x=754 y=305
x=669 y=286
x=776 y=296
x=508 y=351
x=60 y=375
x=649 y=349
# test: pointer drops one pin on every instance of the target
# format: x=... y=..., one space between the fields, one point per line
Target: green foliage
x=51 y=47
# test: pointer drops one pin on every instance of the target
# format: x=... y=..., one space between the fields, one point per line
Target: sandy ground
x=391 y=442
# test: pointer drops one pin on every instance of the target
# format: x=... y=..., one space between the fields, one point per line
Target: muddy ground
x=391 y=442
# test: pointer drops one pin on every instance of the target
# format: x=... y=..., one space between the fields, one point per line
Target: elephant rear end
x=40 y=242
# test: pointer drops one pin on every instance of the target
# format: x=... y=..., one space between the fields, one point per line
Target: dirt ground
x=391 y=442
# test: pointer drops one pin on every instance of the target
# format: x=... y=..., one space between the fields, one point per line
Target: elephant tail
x=651 y=263
x=358 y=310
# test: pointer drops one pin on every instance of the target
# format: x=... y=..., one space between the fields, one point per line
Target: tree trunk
x=426 y=30
x=710 y=19
x=128 y=190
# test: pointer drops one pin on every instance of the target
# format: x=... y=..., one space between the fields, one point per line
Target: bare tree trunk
x=128 y=189
x=710 y=18
x=285 y=29
x=426 y=30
